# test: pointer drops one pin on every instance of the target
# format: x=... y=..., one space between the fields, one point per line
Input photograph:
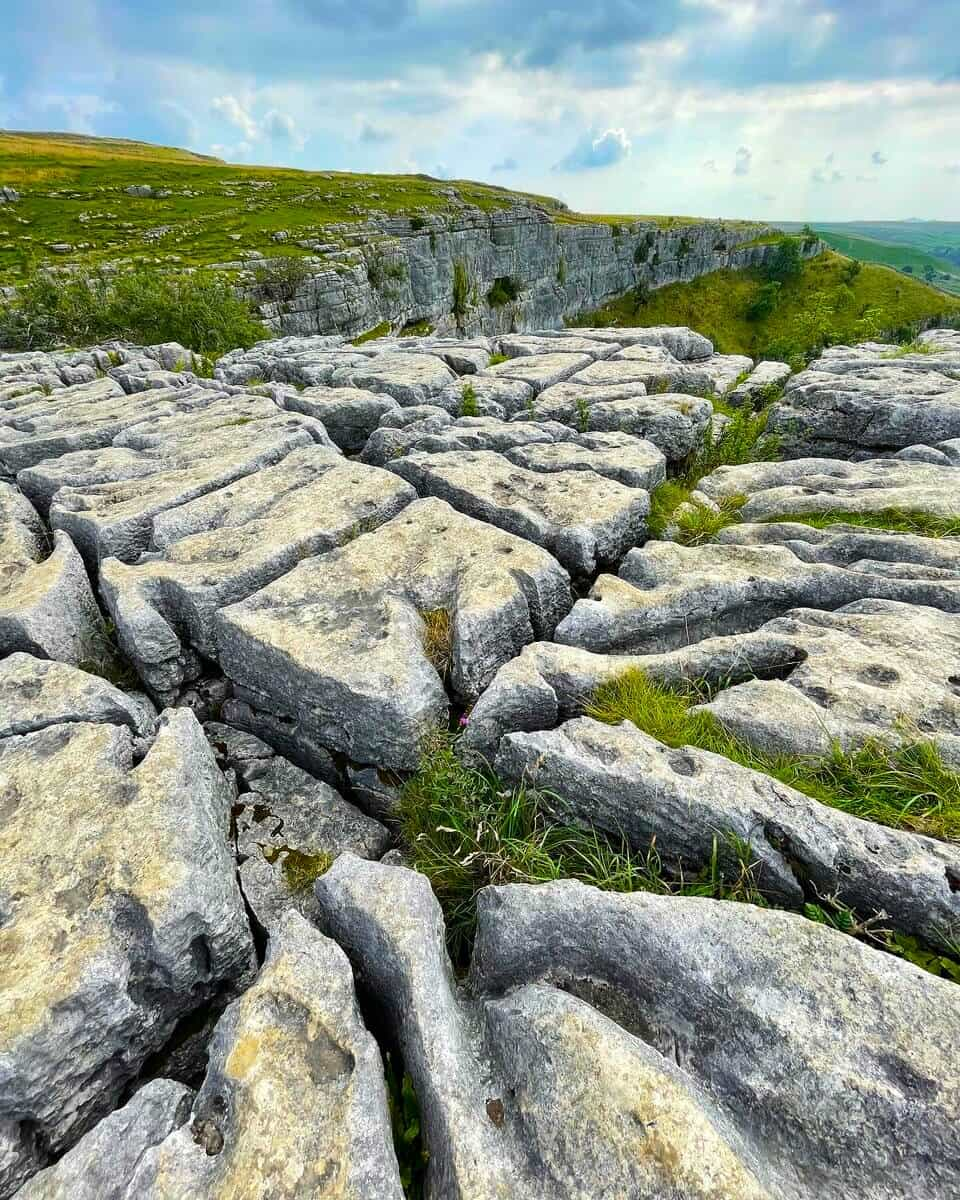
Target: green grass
x=897 y=520
x=468 y=401
x=907 y=787
x=379 y=331
x=464 y=830
x=940 y=272
x=200 y=311
x=824 y=306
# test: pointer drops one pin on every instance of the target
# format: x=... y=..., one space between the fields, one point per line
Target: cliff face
x=446 y=270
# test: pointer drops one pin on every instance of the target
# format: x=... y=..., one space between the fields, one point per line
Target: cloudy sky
x=806 y=109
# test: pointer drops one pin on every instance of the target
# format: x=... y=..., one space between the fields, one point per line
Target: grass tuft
x=897 y=520
x=465 y=830
x=904 y=787
x=378 y=331
x=438 y=639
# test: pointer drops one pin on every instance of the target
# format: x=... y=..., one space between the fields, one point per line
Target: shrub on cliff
x=787 y=261
x=201 y=311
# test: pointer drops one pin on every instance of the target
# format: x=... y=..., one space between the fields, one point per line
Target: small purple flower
x=464 y=719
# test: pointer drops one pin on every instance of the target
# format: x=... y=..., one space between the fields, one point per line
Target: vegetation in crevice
x=300 y=870
x=468 y=401
x=378 y=331
x=504 y=290
x=461 y=291
x=905 y=787
x=896 y=520
x=406 y=1126
x=438 y=639
x=281 y=278
x=496 y=359
x=464 y=829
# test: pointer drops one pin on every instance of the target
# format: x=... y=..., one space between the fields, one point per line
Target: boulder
x=763 y=384
x=582 y=518
x=122 y=916
x=338 y=643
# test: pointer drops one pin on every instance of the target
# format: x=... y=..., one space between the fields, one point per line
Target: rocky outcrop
x=445 y=272
x=871 y=400
x=743 y=1097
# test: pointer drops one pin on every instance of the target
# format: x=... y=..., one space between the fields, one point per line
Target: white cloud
x=608 y=148
x=233 y=112
x=744 y=161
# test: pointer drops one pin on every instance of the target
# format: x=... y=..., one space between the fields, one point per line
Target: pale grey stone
x=583 y=519
x=691 y=804
x=36 y=693
x=408 y=378
x=540 y=371
x=294 y=1102
x=101 y=1164
x=763 y=384
x=490 y=393
x=776 y=490
x=227 y=544
x=667 y=595
x=349 y=415
x=629 y=460
x=121 y=916
x=338 y=643
x=803 y=1026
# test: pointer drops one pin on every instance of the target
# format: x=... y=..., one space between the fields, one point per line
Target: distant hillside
x=74 y=205
x=832 y=301
x=929 y=250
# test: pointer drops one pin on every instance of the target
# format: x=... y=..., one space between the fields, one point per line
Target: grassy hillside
x=832 y=301
x=938 y=272
x=73 y=195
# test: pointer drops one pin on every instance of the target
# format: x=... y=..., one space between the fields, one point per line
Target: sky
x=771 y=109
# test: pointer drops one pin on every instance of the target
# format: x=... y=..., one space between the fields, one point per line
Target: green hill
x=832 y=301
x=73 y=196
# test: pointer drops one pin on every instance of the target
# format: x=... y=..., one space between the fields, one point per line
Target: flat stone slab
x=854 y=401
x=764 y=1051
x=289 y=826
x=667 y=595
x=683 y=343
x=874 y=669
x=115 y=518
x=227 y=544
x=777 y=490
x=493 y=397
x=629 y=460
x=582 y=518
x=764 y=383
x=676 y=424
x=338 y=643
x=408 y=378
x=122 y=915
x=561 y=1001
x=540 y=371
x=47 y=607
x=688 y=803
x=519 y=345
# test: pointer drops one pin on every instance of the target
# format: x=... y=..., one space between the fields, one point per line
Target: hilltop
x=196 y=210
x=834 y=299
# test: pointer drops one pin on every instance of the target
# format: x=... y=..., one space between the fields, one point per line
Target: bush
x=202 y=311
x=468 y=402
x=281 y=278
x=504 y=291
x=765 y=301
x=787 y=262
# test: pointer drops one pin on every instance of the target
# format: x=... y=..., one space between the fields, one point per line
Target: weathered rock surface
x=632 y=461
x=36 y=693
x=226 y=544
x=540 y=371
x=777 y=490
x=289 y=826
x=582 y=518
x=855 y=400
x=46 y=603
x=349 y=415
x=667 y=595
x=408 y=378
x=689 y=803
x=293 y=1104
x=763 y=384
x=338 y=643
x=121 y=915
x=803 y=681
x=804 y=1027
x=102 y=1163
